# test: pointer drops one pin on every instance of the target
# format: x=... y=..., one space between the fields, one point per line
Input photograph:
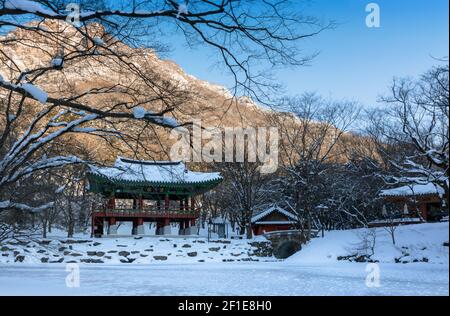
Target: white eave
x=153 y=171
x=414 y=190
x=270 y=210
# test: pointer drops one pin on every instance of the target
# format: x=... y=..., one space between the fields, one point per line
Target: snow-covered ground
x=252 y=278
x=315 y=270
x=421 y=242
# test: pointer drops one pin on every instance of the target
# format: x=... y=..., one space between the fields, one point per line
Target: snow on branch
x=28 y=6
x=5 y=205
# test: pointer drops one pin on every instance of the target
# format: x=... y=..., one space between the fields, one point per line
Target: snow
x=24 y=207
x=35 y=92
x=57 y=62
x=413 y=242
x=182 y=9
x=416 y=189
x=312 y=271
x=139 y=112
x=225 y=279
x=98 y=41
x=270 y=210
x=28 y=6
x=150 y=171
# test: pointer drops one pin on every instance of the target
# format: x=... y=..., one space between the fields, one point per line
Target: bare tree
x=421 y=109
x=311 y=132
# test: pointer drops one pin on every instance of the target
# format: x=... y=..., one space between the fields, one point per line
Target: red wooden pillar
x=166 y=222
x=192 y=203
x=111 y=204
x=112 y=221
x=141 y=203
x=140 y=221
x=423 y=210
x=166 y=202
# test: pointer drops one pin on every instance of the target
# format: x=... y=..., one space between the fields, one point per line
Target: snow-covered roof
x=153 y=172
x=414 y=190
x=270 y=210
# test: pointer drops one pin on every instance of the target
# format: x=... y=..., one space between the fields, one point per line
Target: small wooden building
x=274 y=218
x=161 y=192
x=418 y=201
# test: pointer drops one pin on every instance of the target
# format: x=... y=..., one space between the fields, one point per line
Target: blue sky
x=355 y=62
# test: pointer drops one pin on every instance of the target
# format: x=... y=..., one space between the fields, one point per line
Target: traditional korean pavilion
x=419 y=200
x=138 y=191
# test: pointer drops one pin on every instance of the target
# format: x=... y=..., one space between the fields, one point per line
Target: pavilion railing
x=148 y=212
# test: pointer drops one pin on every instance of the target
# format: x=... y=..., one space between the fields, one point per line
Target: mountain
x=213 y=104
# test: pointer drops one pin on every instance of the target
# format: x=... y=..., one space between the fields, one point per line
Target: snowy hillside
x=135 y=250
x=414 y=243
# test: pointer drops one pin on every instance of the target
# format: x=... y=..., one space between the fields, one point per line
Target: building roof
x=414 y=190
x=153 y=172
x=257 y=217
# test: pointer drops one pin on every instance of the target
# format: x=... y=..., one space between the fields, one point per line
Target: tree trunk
x=249 y=231
x=44 y=228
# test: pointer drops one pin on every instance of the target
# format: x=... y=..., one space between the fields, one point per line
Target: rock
x=73 y=241
x=89 y=260
x=107 y=257
x=19 y=259
x=71 y=261
x=227 y=260
x=66 y=253
x=148 y=249
x=44 y=242
x=174 y=245
x=5 y=254
x=134 y=252
x=95 y=244
x=16 y=252
x=60 y=260
x=74 y=254
x=18 y=243
x=99 y=253
x=201 y=260
x=124 y=253
x=112 y=251
x=44 y=260
x=425 y=259
x=91 y=253
x=236 y=254
x=138 y=237
x=192 y=254
x=4 y=248
x=160 y=258
x=124 y=261
x=40 y=251
x=214 y=249
x=122 y=246
x=186 y=246
x=62 y=249
x=143 y=256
